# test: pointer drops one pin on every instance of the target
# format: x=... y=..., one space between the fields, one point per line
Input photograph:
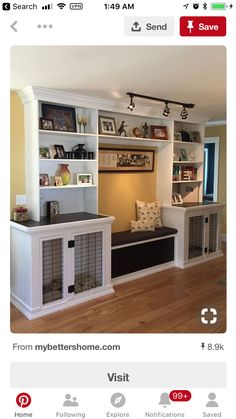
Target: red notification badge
x=180 y=395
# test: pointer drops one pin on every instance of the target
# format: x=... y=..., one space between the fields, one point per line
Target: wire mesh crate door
x=196 y=236
x=52 y=270
x=213 y=233
x=88 y=261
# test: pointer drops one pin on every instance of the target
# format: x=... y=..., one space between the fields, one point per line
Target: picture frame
x=44 y=153
x=189 y=173
x=177 y=199
x=46 y=124
x=159 y=132
x=44 y=179
x=195 y=136
x=178 y=136
x=52 y=152
x=107 y=125
x=58 y=181
x=126 y=160
x=63 y=117
x=60 y=151
x=84 y=179
x=183 y=154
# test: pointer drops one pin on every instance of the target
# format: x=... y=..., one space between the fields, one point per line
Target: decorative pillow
x=149 y=211
x=142 y=226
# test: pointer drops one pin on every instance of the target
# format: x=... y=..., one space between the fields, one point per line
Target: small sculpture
x=137 y=132
x=145 y=130
x=122 y=130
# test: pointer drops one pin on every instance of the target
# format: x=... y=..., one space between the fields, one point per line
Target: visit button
x=202 y=26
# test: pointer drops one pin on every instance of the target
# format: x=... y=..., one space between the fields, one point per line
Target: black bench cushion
x=125 y=237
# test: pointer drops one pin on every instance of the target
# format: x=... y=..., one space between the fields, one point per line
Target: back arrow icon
x=13 y=26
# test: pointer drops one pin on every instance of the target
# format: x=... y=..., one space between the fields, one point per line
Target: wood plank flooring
x=167 y=302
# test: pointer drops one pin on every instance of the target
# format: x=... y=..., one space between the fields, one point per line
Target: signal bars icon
x=47 y=7
x=61 y=5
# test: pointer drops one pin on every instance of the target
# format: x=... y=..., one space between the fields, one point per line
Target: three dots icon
x=39 y=26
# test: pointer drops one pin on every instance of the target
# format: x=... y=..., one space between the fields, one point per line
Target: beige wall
x=220 y=131
x=118 y=193
x=17 y=149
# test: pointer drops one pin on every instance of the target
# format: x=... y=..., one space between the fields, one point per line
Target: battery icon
x=218 y=6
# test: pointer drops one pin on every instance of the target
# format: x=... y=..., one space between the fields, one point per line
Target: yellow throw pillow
x=149 y=211
x=142 y=226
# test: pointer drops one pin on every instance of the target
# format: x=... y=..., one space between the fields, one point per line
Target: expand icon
x=209 y=315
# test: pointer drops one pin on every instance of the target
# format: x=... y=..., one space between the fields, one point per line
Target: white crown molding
x=216 y=123
x=31 y=93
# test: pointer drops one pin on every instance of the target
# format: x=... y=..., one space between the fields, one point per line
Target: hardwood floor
x=167 y=302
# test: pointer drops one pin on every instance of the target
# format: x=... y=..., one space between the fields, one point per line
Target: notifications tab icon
x=202 y=26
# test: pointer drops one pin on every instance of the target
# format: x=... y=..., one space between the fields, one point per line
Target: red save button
x=203 y=26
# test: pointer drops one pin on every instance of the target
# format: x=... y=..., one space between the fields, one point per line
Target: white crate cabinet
x=199 y=232
x=59 y=265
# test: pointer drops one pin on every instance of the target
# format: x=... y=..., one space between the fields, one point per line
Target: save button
x=203 y=26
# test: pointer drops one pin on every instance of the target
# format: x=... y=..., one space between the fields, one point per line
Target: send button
x=149 y=26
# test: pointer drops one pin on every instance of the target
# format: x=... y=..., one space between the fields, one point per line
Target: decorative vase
x=80 y=152
x=64 y=172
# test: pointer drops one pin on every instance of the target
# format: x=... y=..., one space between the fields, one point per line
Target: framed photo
x=195 y=136
x=44 y=153
x=52 y=152
x=107 y=125
x=177 y=136
x=63 y=117
x=58 y=181
x=158 y=132
x=189 y=173
x=126 y=160
x=60 y=152
x=84 y=179
x=183 y=154
x=44 y=180
x=176 y=199
x=46 y=124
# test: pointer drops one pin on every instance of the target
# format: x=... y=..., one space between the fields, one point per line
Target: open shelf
x=70 y=134
x=59 y=161
x=187 y=143
x=66 y=187
x=115 y=139
x=187 y=162
x=186 y=181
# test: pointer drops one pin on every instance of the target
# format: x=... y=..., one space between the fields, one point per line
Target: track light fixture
x=131 y=106
x=184 y=113
x=166 y=111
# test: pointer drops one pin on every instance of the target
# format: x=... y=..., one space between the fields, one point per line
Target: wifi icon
x=61 y=5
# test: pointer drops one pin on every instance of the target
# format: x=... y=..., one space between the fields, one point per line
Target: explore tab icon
x=136 y=27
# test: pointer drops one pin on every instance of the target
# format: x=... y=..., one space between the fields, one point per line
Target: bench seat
x=125 y=237
x=132 y=252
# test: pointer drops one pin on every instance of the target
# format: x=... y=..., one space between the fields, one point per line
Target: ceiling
x=193 y=74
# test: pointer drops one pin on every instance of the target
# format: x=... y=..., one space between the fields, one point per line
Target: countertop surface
x=61 y=218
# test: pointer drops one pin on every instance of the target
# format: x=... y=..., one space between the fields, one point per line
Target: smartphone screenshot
x=117 y=219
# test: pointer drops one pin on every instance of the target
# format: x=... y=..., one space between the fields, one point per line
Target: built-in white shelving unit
x=73 y=197
x=48 y=273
